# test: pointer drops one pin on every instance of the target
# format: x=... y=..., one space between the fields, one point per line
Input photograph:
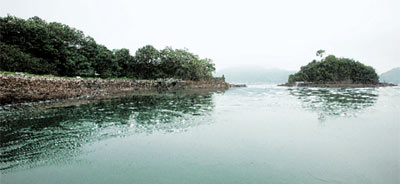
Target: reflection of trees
x=335 y=101
x=33 y=137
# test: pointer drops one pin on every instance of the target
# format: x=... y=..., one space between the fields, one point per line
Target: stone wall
x=19 y=88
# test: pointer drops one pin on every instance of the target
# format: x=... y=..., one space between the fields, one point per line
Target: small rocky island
x=332 y=71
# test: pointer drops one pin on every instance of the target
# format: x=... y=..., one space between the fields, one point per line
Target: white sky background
x=273 y=34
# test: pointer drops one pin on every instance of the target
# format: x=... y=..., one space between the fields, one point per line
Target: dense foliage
x=333 y=69
x=38 y=47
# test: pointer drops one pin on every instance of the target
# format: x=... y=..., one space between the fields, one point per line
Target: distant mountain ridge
x=253 y=75
x=391 y=76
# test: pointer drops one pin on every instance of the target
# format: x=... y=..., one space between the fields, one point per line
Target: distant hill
x=252 y=75
x=391 y=76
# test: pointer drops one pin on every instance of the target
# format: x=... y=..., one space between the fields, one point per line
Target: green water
x=259 y=134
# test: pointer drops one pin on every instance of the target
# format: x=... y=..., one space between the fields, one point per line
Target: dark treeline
x=38 y=47
x=333 y=69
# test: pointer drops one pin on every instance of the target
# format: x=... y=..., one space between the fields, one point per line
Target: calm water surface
x=259 y=134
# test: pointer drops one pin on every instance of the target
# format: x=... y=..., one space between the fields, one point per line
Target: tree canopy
x=333 y=69
x=38 y=47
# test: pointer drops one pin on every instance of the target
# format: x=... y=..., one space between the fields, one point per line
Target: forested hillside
x=38 y=47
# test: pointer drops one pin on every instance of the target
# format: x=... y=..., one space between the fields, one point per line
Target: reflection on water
x=259 y=134
x=35 y=137
x=345 y=102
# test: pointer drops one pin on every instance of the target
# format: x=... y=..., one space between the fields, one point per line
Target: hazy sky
x=273 y=34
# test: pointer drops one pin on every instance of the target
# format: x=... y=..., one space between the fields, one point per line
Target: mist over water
x=258 y=134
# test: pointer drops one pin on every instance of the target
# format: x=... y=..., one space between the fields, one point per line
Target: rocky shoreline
x=21 y=88
x=336 y=85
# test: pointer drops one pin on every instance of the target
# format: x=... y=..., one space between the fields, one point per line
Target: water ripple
x=336 y=102
x=32 y=137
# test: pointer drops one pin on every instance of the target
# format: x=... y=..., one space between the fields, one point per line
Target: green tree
x=180 y=63
x=320 y=53
x=147 y=60
x=126 y=63
x=105 y=64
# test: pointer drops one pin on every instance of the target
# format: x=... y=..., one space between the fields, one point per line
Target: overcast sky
x=273 y=34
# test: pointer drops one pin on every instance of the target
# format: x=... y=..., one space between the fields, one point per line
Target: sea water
x=258 y=134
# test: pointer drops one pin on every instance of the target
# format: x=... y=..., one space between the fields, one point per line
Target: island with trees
x=331 y=71
x=54 y=61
